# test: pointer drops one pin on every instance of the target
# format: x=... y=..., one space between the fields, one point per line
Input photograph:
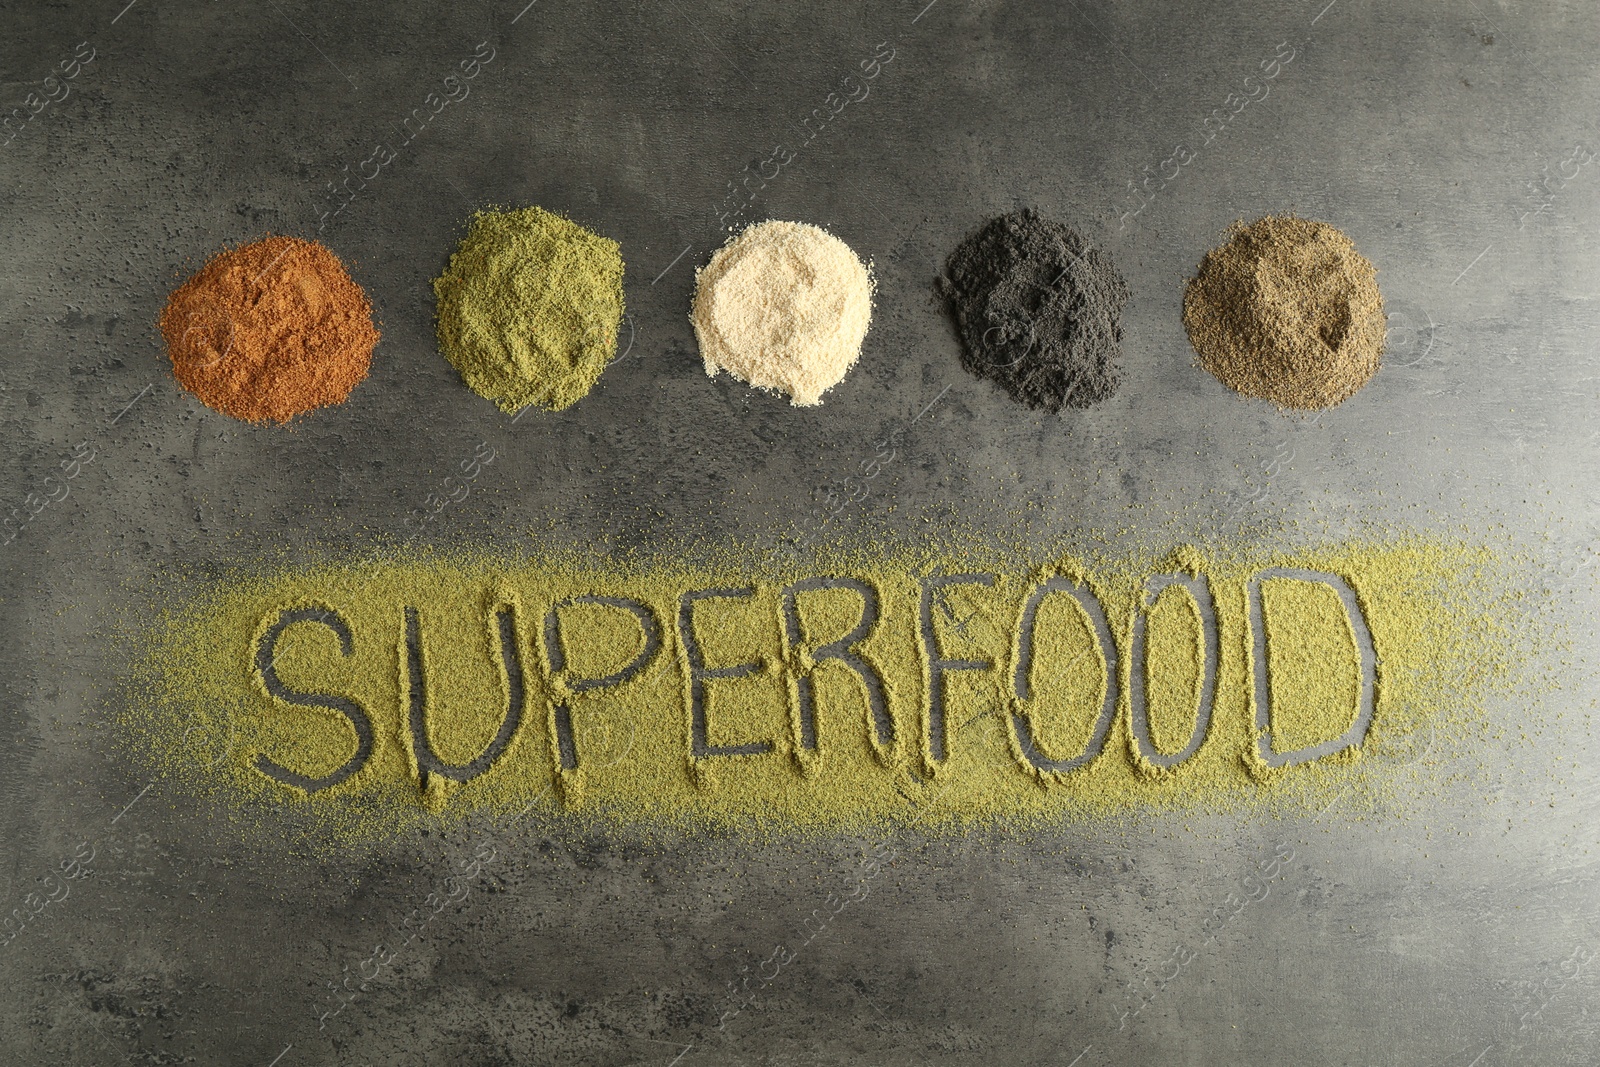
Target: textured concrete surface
x=1439 y=135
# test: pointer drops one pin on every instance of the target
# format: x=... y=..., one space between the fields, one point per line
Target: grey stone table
x=1440 y=136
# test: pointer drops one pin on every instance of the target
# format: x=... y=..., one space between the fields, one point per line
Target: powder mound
x=1039 y=312
x=529 y=308
x=270 y=330
x=1287 y=311
x=783 y=305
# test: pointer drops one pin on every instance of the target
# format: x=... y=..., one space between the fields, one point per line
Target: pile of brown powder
x=270 y=330
x=1287 y=311
x=784 y=305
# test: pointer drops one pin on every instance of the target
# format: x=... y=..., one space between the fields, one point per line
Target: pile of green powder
x=529 y=308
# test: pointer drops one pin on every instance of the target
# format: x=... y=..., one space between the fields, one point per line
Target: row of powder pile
x=530 y=306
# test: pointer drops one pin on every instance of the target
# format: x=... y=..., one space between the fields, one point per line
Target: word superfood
x=815 y=696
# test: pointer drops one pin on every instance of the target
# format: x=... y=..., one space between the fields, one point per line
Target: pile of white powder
x=784 y=305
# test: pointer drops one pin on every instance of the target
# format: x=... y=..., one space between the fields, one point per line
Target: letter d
x=1261 y=695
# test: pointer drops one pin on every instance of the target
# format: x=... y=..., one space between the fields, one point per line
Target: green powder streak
x=1431 y=607
x=529 y=308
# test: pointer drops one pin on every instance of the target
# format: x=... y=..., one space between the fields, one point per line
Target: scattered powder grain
x=270 y=330
x=1039 y=311
x=1287 y=311
x=529 y=308
x=737 y=696
x=783 y=305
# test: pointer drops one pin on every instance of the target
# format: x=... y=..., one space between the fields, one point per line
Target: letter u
x=414 y=683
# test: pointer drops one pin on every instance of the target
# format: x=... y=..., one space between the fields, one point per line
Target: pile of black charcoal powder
x=1039 y=311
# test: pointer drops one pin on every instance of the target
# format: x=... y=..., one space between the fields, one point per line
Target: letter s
x=267 y=671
